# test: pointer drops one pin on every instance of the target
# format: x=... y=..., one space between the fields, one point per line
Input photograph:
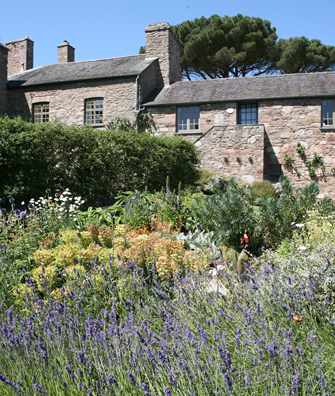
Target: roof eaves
x=19 y=84
x=188 y=103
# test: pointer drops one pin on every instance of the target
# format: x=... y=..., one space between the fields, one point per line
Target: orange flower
x=297 y=318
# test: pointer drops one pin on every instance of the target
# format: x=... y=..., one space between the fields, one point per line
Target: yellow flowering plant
x=82 y=253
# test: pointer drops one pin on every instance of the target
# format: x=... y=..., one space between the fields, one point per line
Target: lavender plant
x=265 y=337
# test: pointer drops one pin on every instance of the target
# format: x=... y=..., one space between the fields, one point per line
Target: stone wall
x=286 y=123
x=233 y=151
x=210 y=114
x=20 y=56
x=3 y=78
x=162 y=43
x=67 y=101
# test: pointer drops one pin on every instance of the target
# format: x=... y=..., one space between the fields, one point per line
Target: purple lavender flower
x=146 y=389
x=272 y=349
x=39 y=388
x=167 y=392
x=131 y=378
x=228 y=381
x=8 y=382
x=295 y=384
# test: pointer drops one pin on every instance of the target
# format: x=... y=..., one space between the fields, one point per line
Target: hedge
x=40 y=159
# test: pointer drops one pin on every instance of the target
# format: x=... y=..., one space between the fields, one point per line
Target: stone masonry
x=67 y=102
x=123 y=96
x=20 y=55
x=66 y=53
x=284 y=124
x=234 y=151
x=162 y=43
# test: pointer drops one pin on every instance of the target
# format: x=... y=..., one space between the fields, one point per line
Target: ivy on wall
x=315 y=165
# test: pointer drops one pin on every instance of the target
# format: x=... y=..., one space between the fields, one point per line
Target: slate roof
x=80 y=71
x=300 y=85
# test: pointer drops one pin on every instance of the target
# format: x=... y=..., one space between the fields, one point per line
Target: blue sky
x=106 y=28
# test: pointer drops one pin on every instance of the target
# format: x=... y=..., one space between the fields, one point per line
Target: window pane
x=188 y=118
x=328 y=107
x=248 y=113
x=94 y=111
x=41 y=112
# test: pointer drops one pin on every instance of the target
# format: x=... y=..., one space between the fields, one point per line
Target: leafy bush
x=144 y=123
x=269 y=218
x=39 y=159
x=263 y=189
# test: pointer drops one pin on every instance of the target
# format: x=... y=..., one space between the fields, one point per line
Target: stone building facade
x=249 y=128
x=289 y=111
x=121 y=85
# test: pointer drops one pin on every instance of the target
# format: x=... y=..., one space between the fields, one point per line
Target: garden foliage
x=121 y=300
x=36 y=160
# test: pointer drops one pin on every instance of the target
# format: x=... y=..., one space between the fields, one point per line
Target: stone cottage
x=253 y=128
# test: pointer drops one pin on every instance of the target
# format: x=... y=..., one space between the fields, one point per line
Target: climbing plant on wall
x=313 y=164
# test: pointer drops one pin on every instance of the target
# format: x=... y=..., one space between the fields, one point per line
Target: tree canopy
x=300 y=55
x=240 y=45
x=221 y=46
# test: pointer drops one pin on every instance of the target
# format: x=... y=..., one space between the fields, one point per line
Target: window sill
x=328 y=128
x=247 y=125
x=190 y=132
x=95 y=125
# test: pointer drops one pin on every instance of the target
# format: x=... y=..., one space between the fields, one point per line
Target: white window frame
x=94 y=112
x=41 y=112
x=328 y=119
x=188 y=122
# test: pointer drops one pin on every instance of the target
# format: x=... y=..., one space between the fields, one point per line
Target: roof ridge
x=256 y=77
x=105 y=59
x=85 y=61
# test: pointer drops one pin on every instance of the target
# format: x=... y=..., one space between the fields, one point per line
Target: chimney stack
x=20 y=55
x=66 y=52
x=162 y=43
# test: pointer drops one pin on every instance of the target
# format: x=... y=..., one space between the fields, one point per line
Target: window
x=247 y=114
x=94 y=111
x=41 y=112
x=188 y=118
x=328 y=110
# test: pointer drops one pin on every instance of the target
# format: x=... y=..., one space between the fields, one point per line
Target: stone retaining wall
x=233 y=151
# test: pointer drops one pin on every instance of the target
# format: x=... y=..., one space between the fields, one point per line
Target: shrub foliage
x=42 y=159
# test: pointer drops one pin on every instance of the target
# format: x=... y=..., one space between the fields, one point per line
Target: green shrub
x=263 y=189
x=36 y=159
x=269 y=219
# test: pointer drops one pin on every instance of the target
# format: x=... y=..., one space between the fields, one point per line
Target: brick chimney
x=3 y=78
x=162 y=43
x=20 y=55
x=66 y=53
